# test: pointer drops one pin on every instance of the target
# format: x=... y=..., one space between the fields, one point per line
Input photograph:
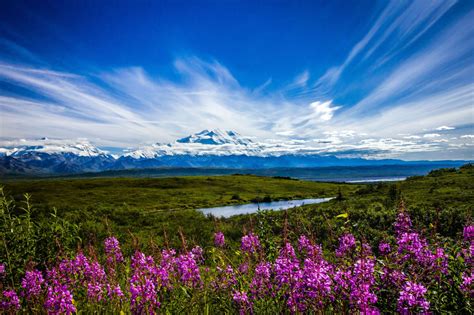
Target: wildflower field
x=279 y=262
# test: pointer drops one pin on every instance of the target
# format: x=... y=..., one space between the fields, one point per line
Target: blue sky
x=363 y=78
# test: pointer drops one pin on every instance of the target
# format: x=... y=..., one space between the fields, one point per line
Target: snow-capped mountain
x=215 y=137
x=53 y=156
x=208 y=148
x=227 y=149
x=207 y=142
x=47 y=146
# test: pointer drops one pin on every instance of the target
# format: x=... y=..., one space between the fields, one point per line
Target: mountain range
x=205 y=149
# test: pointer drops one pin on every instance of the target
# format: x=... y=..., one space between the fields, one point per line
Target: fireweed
x=219 y=239
x=406 y=277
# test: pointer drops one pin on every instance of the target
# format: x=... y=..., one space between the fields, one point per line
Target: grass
x=150 y=208
x=176 y=193
x=157 y=208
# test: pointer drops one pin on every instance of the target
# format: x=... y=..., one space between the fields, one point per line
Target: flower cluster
x=32 y=284
x=59 y=300
x=468 y=233
x=226 y=278
x=412 y=299
x=403 y=223
x=113 y=251
x=298 y=277
x=146 y=281
x=9 y=301
x=219 y=240
x=347 y=243
x=384 y=248
x=188 y=270
x=250 y=243
x=243 y=302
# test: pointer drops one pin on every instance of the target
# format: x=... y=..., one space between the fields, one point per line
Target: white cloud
x=445 y=128
x=398 y=26
x=467 y=136
x=155 y=109
x=431 y=135
x=323 y=111
x=448 y=107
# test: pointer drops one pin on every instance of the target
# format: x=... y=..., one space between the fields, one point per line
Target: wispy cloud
x=442 y=128
x=399 y=25
x=128 y=108
x=409 y=86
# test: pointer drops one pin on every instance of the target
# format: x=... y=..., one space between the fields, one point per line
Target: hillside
x=148 y=206
x=167 y=255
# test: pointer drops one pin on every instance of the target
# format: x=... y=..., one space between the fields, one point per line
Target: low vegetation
x=356 y=253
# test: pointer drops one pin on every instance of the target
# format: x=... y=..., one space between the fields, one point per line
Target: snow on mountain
x=206 y=142
x=80 y=148
x=48 y=156
x=216 y=137
x=208 y=148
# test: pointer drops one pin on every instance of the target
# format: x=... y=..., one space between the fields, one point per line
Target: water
x=374 y=180
x=229 y=211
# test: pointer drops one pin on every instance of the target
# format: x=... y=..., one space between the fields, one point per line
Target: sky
x=374 y=79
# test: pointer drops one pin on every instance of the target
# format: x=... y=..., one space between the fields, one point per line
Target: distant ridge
x=205 y=149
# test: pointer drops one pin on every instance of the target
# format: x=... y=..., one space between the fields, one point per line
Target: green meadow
x=155 y=209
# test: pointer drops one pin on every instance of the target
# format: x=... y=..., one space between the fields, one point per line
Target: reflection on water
x=229 y=211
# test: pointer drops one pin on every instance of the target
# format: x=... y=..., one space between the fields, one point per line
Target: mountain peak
x=215 y=137
x=54 y=146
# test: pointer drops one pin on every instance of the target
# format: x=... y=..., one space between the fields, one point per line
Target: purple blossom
x=250 y=243
x=242 y=300
x=347 y=243
x=287 y=275
x=384 y=248
x=287 y=268
x=145 y=283
x=219 y=239
x=244 y=268
x=366 y=249
x=361 y=291
x=261 y=285
x=95 y=280
x=440 y=260
x=467 y=285
x=468 y=233
x=114 y=292
x=188 y=270
x=316 y=283
x=9 y=301
x=197 y=254
x=226 y=278
x=412 y=246
x=303 y=243
x=402 y=223
x=2 y=270
x=393 y=277
x=143 y=298
x=168 y=259
x=95 y=291
x=59 y=300
x=32 y=284
x=113 y=251
x=412 y=299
